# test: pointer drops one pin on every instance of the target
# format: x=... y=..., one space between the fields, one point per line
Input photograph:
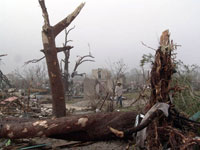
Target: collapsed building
x=100 y=83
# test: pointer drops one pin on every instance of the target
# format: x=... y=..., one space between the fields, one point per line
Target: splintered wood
x=171 y=132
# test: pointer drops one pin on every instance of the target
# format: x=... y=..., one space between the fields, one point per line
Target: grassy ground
x=132 y=95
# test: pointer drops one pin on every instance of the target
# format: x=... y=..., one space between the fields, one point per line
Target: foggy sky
x=113 y=28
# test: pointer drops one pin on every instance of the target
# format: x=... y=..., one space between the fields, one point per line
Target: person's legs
x=120 y=100
x=117 y=101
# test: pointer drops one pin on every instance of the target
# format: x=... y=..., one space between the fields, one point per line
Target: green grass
x=131 y=95
x=134 y=95
x=131 y=108
x=187 y=103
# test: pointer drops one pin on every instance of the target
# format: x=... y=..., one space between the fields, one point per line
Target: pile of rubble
x=23 y=106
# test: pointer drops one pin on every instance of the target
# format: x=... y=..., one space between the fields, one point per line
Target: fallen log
x=90 y=127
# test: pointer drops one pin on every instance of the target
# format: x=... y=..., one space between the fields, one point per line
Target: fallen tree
x=79 y=127
x=91 y=127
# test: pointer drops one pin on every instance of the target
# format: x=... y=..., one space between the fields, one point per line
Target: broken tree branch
x=63 y=49
x=59 y=49
x=141 y=95
x=45 y=15
x=66 y=36
x=2 y=55
x=80 y=61
x=129 y=131
x=33 y=60
x=66 y=21
x=148 y=46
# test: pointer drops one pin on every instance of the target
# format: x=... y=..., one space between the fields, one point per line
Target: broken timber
x=89 y=127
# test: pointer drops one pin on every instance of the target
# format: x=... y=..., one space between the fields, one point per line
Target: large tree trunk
x=49 y=34
x=55 y=78
x=89 y=127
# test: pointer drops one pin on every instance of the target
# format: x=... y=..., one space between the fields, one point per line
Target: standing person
x=118 y=93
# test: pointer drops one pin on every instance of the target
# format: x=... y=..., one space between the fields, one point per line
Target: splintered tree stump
x=161 y=75
x=162 y=71
x=89 y=127
x=171 y=132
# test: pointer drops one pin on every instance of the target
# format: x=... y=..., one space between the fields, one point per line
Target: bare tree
x=80 y=60
x=50 y=50
x=118 y=69
x=36 y=75
x=66 y=74
x=135 y=78
x=2 y=55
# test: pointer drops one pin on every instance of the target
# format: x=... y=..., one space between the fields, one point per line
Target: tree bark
x=56 y=84
x=49 y=34
x=89 y=127
x=66 y=72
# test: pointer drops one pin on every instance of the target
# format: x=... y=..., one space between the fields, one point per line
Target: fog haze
x=113 y=28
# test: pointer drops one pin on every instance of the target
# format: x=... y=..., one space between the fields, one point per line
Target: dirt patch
x=74 y=145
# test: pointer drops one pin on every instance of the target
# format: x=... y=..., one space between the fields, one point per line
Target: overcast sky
x=113 y=28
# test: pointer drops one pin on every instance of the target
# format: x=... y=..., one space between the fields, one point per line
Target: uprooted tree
x=172 y=131
x=50 y=51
